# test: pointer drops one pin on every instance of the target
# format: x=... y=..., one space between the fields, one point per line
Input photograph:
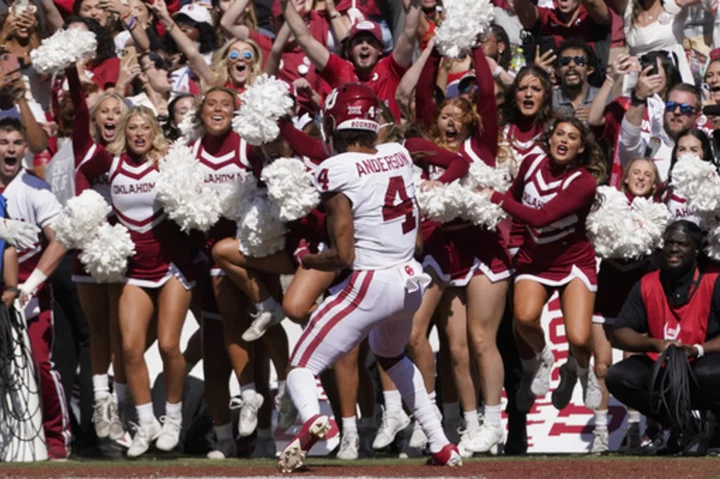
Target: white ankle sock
x=393 y=400
x=145 y=413
x=410 y=383
x=174 y=410
x=224 y=432
x=492 y=415
x=601 y=419
x=349 y=424
x=433 y=397
x=471 y=419
x=101 y=386
x=303 y=391
x=248 y=392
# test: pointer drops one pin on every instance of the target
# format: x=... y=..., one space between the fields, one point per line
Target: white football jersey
x=30 y=199
x=382 y=192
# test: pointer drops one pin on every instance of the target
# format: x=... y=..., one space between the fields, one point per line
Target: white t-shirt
x=382 y=192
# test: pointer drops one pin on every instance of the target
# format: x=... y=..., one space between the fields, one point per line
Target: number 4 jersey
x=381 y=189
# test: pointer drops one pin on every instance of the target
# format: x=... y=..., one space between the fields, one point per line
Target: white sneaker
x=144 y=435
x=392 y=423
x=101 y=416
x=170 y=434
x=264 y=447
x=592 y=392
x=541 y=379
x=262 y=321
x=287 y=412
x=486 y=438
x=223 y=450
x=349 y=447
x=248 y=413
x=600 y=441
x=466 y=438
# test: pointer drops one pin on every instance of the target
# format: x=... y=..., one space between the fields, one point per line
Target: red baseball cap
x=367 y=27
x=715 y=54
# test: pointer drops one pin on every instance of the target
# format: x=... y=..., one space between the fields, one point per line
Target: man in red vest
x=677 y=305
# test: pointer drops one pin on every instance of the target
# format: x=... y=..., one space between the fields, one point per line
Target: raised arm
x=37 y=137
x=425 y=107
x=486 y=135
x=185 y=45
x=228 y=22
x=272 y=67
x=578 y=195
x=301 y=142
x=53 y=19
x=316 y=51
x=598 y=11
x=131 y=24
x=620 y=65
x=527 y=13
x=81 y=139
x=409 y=81
x=339 y=23
x=405 y=44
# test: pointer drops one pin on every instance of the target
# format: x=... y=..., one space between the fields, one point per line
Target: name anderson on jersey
x=382 y=164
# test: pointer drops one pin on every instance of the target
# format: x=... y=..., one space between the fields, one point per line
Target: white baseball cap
x=196 y=13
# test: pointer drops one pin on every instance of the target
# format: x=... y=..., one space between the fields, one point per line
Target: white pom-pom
x=183 y=193
x=713 y=239
x=190 y=128
x=698 y=181
x=480 y=211
x=620 y=230
x=465 y=21
x=290 y=187
x=106 y=255
x=262 y=105
x=80 y=217
x=63 y=49
x=260 y=232
x=480 y=175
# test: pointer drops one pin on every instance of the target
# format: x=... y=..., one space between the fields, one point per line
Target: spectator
x=575 y=64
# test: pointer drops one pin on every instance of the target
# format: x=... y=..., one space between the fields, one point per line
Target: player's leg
x=602 y=351
x=485 y=308
x=136 y=308
x=577 y=304
x=347 y=378
x=537 y=359
x=305 y=288
x=56 y=419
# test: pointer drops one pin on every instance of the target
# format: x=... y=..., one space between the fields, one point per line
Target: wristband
x=12 y=289
x=498 y=71
x=635 y=100
x=36 y=278
x=700 y=350
x=130 y=25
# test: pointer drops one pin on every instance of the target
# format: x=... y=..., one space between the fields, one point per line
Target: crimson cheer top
x=685 y=310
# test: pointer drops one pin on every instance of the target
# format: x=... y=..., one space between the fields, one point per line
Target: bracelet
x=132 y=23
x=335 y=16
x=635 y=100
x=13 y=289
x=700 y=350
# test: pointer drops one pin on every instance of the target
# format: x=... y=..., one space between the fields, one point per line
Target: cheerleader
x=552 y=195
x=159 y=276
x=692 y=141
x=470 y=266
x=99 y=301
x=616 y=278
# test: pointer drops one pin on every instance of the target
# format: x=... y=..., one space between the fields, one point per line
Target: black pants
x=629 y=382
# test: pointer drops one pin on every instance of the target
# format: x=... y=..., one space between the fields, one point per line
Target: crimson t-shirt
x=384 y=78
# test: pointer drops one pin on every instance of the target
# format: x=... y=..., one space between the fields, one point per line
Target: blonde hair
x=96 y=107
x=626 y=174
x=221 y=67
x=159 y=144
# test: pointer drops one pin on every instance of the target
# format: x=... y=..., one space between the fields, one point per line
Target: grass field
x=528 y=467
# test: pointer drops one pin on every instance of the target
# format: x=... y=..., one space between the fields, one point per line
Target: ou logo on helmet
x=331 y=99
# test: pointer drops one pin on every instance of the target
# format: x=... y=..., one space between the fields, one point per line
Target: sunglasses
x=685 y=109
x=248 y=56
x=579 y=61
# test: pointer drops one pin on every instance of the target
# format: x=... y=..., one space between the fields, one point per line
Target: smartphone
x=20 y=6
x=9 y=62
x=648 y=62
x=128 y=56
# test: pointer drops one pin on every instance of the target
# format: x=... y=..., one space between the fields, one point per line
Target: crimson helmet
x=351 y=106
